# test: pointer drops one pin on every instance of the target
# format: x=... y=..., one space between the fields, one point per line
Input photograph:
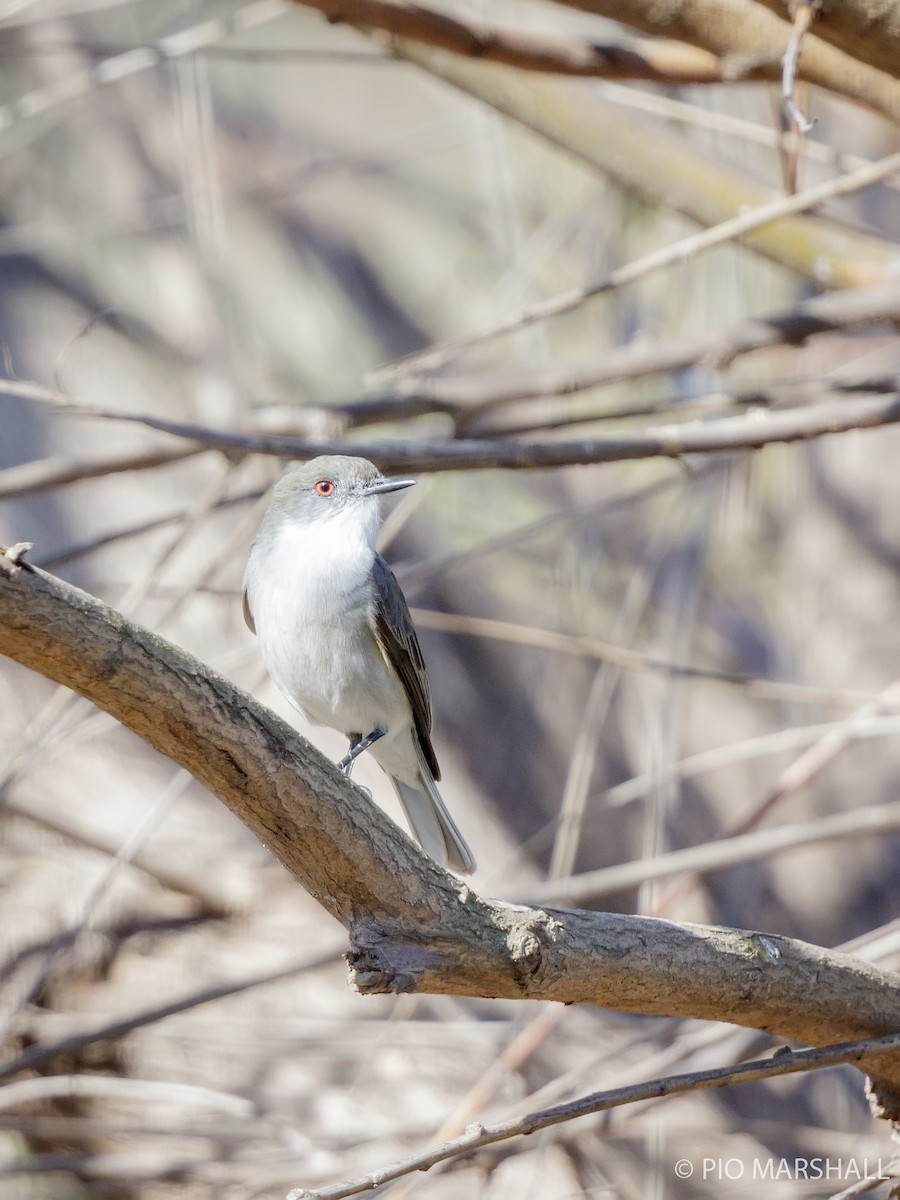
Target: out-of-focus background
x=238 y=229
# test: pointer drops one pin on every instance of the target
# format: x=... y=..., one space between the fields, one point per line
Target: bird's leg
x=346 y=763
x=358 y=743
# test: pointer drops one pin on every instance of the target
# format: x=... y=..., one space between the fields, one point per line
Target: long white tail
x=433 y=827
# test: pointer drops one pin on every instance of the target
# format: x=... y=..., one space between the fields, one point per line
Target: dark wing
x=245 y=609
x=397 y=638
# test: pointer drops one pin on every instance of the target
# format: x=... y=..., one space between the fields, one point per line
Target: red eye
x=324 y=487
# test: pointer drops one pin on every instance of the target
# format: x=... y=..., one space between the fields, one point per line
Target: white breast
x=310 y=594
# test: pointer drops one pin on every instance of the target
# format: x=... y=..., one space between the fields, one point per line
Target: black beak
x=387 y=485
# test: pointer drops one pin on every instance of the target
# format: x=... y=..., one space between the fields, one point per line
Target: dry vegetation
x=663 y=650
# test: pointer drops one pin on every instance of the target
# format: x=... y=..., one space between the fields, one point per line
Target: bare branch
x=134 y=60
x=743 y=34
x=36 y=1055
x=413 y=926
x=658 y=62
x=728 y=204
x=748 y=431
x=820 y=755
x=820 y=314
x=714 y=855
x=478 y=1136
x=46 y=473
x=624 y=656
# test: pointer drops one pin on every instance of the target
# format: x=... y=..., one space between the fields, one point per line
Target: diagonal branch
x=729 y=206
x=654 y=61
x=44 y=474
x=414 y=927
x=718 y=349
x=477 y=1136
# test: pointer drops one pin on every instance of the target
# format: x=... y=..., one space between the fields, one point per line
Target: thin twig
x=799 y=774
x=79 y=549
x=68 y=937
x=27 y=1091
x=36 y=1056
x=891 y=1171
x=767 y=744
x=733 y=228
x=804 y=11
x=718 y=854
x=133 y=61
x=477 y=1136
x=716 y=350
x=712 y=120
x=596 y=708
x=624 y=656
x=817 y=757
x=44 y=474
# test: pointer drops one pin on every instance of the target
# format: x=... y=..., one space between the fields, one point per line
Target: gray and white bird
x=337 y=638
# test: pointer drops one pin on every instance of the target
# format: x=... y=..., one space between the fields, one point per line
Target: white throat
x=314 y=566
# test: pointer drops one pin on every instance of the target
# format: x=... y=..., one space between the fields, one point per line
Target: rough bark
x=745 y=34
x=866 y=29
x=414 y=927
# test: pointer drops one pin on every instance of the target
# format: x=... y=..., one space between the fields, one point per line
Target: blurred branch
x=820 y=755
x=414 y=927
x=799 y=774
x=869 y=32
x=477 y=1136
x=717 y=350
x=655 y=61
x=744 y=35
x=138 y=529
x=622 y=656
x=718 y=854
x=804 y=11
x=745 y=750
x=36 y=1055
x=694 y=116
x=218 y=896
x=724 y=200
x=123 y=64
x=46 y=473
x=749 y=431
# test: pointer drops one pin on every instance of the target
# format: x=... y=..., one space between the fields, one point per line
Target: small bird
x=337 y=638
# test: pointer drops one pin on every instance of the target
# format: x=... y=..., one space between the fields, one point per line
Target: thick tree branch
x=715 y=40
x=743 y=33
x=868 y=30
x=414 y=927
x=654 y=61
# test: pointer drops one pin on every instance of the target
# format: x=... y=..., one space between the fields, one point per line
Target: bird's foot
x=357 y=745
